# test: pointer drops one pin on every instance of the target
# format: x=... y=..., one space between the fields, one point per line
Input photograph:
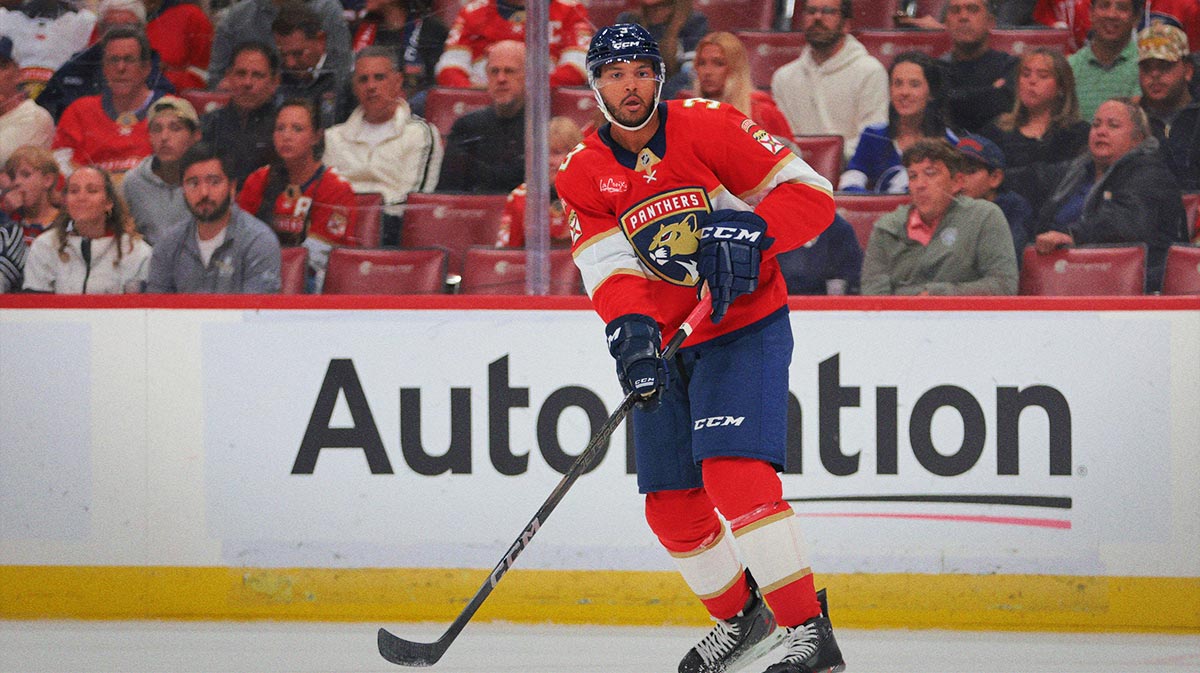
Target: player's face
x=124 y=70
x=207 y=190
x=968 y=21
x=87 y=201
x=712 y=69
x=295 y=136
x=1037 y=88
x=251 y=81
x=1164 y=82
x=628 y=89
x=932 y=187
x=378 y=88
x=170 y=137
x=1113 y=133
x=909 y=90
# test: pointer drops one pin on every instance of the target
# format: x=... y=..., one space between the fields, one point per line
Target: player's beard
x=630 y=119
x=213 y=212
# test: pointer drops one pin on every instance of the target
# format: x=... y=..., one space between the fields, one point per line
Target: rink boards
x=1012 y=463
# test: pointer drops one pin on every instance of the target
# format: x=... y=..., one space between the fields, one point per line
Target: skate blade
x=758 y=650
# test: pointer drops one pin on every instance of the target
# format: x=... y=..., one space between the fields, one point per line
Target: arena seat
x=1182 y=274
x=1017 y=41
x=359 y=271
x=370 y=219
x=293 y=259
x=204 y=100
x=734 y=15
x=861 y=210
x=823 y=153
x=605 y=12
x=1084 y=271
x=767 y=52
x=452 y=221
x=576 y=103
x=444 y=105
x=886 y=45
x=491 y=270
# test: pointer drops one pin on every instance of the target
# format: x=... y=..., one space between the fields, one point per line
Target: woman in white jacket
x=92 y=246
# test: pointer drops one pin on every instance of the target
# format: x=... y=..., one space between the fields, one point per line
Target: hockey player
x=663 y=200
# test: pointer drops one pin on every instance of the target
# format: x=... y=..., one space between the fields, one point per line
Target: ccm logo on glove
x=739 y=234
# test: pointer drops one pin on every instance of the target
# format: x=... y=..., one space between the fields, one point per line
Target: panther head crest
x=676 y=239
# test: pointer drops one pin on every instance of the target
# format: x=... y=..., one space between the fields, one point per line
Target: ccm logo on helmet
x=730 y=233
x=717 y=422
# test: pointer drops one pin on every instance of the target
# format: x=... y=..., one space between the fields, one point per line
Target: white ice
x=269 y=647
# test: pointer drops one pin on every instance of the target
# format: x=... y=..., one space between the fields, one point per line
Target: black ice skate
x=737 y=641
x=811 y=647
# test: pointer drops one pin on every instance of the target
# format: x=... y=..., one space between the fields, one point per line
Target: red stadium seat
x=1017 y=41
x=293 y=261
x=502 y=271
x=452 y=221
x=1191 y=206
x=766 y=52
x=731 y=15
x=862 y=210
x=1084 y=271
x=370 y=219
x=356 y=271
x=1183 y=270
x=205 y=101
x=867 y=14
x=604 y=12
x=885 y=45
x=823 y=153
x=444 y=105
x=576 y=103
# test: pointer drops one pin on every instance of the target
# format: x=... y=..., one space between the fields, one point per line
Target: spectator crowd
x=188 y=145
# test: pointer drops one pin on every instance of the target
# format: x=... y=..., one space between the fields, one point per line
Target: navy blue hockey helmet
x=623 y=42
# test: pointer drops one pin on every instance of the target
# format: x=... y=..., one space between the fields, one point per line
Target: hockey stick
x=409 y=653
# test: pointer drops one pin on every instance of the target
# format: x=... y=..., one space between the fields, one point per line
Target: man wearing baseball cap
x=1165 y=75
x=982 y=173
x=22 y=122
x=153 y=188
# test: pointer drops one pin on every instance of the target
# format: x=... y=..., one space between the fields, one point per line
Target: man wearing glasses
x=835 y=87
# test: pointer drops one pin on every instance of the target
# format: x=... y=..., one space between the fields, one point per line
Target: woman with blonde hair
x=1043 y=129
x=92 y=246
x=723 y=74
x=33 y=178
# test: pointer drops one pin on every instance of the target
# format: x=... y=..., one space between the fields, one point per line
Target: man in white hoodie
x=383 y=147
x=835 y=87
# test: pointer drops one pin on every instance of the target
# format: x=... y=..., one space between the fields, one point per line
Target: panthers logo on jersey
x=665 y=232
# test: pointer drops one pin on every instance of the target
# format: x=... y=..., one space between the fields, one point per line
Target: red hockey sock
x=688 y=527
x=748 y=493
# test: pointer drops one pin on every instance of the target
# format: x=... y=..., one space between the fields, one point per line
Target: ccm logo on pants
x=717 y=422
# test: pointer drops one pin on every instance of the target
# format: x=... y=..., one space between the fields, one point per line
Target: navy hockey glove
x=731 y=245
x=635 y=341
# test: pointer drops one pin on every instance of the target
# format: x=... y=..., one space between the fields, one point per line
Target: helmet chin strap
x=614 y=122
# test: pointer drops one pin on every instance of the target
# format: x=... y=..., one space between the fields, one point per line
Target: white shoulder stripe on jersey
x=789 y=169
x=606 y=255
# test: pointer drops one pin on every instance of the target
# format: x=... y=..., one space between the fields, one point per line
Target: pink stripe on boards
x=1003 y=520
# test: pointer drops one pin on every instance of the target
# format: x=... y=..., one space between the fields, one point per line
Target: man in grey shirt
x=153 y=189
x=221 y=249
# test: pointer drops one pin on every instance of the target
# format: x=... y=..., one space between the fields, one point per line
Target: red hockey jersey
x=480 y=25
x=512 y=223
x=324 y=210
x=633 y=218
x=95 y=138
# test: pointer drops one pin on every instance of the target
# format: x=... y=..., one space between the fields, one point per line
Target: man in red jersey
x=666 y=199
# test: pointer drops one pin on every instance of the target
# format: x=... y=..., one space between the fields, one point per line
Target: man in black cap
x=982 y=176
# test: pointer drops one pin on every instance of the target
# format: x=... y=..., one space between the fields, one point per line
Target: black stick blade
x=407 y=653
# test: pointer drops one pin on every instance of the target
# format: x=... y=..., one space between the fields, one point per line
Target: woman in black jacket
x=1120 y=191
